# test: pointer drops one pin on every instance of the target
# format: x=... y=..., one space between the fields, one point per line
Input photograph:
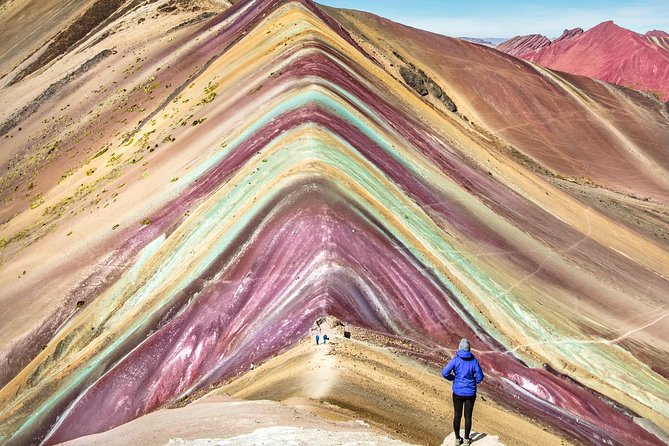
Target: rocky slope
x=186 y=200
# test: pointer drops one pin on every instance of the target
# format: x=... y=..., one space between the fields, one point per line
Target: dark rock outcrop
x=422 y=84
x=200 y=18
x=414 y=80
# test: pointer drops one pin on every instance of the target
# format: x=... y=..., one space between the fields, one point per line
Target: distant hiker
x=318 y=339
x=465 y=372
x=252 y=366
x=325 y=339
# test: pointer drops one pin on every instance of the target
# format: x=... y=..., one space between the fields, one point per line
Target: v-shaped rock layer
x=309 y=187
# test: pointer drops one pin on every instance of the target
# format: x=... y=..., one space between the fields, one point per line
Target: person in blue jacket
x=465 y=372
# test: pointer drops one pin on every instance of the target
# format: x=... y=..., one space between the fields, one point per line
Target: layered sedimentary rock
x=519 y=45
x=660 y=38
x=191 y=203
x=607 y=52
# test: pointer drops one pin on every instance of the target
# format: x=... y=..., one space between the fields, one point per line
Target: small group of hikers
x=465 y=372
x=325 y=339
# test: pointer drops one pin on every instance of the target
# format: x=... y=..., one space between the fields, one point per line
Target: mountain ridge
x=606 y=51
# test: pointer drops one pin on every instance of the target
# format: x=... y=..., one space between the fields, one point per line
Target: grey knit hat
x=464 y=345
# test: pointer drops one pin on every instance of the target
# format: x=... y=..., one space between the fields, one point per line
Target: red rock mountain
x=607 y=52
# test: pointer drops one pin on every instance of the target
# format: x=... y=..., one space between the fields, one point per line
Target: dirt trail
x=322 y=373
x=350 y=379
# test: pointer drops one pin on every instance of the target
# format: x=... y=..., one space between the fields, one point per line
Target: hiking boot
x=458 y=441
x=467 y=442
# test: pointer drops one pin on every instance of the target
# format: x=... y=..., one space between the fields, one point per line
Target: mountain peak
x=657 y=33
x=568 y=34
x=609 y=26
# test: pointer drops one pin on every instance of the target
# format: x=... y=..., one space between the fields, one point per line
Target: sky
x=506 y=18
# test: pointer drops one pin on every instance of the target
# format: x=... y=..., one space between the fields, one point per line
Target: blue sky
x=505 y=18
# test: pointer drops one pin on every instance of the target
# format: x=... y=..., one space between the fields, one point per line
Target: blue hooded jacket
x=465 y=372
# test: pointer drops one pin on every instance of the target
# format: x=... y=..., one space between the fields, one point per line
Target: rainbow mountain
x=189 y=186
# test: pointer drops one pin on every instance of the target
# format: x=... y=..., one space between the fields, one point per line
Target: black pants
x=458 y=403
